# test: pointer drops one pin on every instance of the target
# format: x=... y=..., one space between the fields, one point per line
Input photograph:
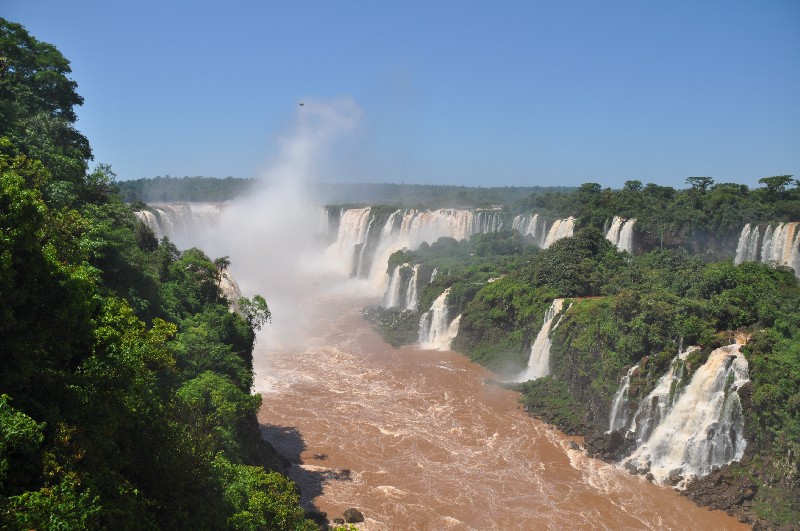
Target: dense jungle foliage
x=164 y=189
x=125 y=381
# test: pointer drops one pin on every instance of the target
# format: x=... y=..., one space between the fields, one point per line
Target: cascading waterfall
x=621 y=233
x=351 y=237
x=619 y=406
x=561 y=228
x=436 y=331
x=704 y=427
x=539 y=361
x=780 y=245
x=180 y=221
x=657 y=404
x=405 y=228
x=400 y=293
x=411 y=291
x=433 y=274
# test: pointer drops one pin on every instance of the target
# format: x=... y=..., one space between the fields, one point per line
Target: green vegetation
x=164 y=189
x=125 y=380
x=550 y=400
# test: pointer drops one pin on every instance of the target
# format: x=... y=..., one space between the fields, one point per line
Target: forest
x=125 y=380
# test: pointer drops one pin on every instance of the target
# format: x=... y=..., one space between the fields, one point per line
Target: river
x=416 y=439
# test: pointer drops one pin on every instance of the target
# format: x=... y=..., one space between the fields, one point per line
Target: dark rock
x=353 y=516
x=318 y=517
x=675 y=477
x=574 y=445
x=650 y=477
x=338 y=521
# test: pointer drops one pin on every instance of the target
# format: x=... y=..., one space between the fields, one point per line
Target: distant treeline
x=429 y=195
x=162 y=189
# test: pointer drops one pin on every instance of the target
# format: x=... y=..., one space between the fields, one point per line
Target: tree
x=632 y=186
x=777 y=184
x=700 y=183
x=255 y=311
x=37 y=102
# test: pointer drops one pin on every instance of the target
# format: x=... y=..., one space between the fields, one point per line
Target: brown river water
x=415 y=439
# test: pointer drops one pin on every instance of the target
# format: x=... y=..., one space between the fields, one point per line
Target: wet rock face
x=611 y=447
x=722 y=489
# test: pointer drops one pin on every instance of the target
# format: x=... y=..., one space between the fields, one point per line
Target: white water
x=704 y=428
x=539 y=361
x=182 y=222
x=657 y=404
x=436 y=331
x=621 y=233
x=352 y=233
x=402 y=293
x=561 y=228
x=780 y=245
x=619 y=406
x=531 y=225
x=406 y=229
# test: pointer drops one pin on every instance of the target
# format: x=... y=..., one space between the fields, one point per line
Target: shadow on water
x=312 y=476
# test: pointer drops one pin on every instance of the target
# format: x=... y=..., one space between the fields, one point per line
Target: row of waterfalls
x=778 y=245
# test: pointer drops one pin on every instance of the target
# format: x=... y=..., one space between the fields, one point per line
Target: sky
x=516 y=93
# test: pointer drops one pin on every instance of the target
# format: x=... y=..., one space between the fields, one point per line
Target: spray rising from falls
x=686 y=430
x=539 y=362
x=621 y=233
x=436 y=331
x=779 y=246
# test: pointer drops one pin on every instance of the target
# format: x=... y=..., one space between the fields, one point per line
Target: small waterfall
x=411 y=291
x=433 y=275
x=539 y=361
x=561 y=228
x=705 y=426
x=780 y=245
x=229 y=289
x=391 y=298
x=619 y=406
x=436 y=332
x=359 y=267
x=621 y=233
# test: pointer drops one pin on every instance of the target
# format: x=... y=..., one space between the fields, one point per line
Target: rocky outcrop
x=353 y=516
x=611 y=447
x=724 y=489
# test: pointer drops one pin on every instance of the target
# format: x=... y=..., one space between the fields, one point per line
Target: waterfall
x=621 y=233
x=433 y=274
x=539 y=361
x=359 y=267
x=780 y=245
x=705 y=426
x=435 y=330
x=657 y=404
x=391 y=298
x=352 y=233
x=531 y=225
x=561 y=228
x=619 y=406
x=182 y=222
x=411 y=291
x=405 y=229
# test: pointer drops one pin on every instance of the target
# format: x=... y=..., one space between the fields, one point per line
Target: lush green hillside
x=125 y=381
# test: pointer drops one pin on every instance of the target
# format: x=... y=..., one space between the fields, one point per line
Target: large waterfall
x=685 y=431
x=369 y=244
x=621 y=233
x=436 y=331
x=180 y=221
x=536 y=227
x=539 y=361
x=780 y=245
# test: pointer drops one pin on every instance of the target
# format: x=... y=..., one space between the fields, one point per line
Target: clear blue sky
x=458 y=92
